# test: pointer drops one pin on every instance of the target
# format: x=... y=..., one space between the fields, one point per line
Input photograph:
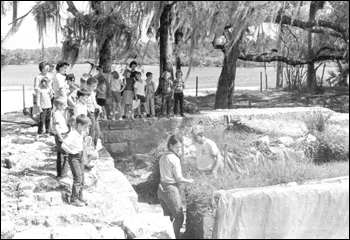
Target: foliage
x=316 y=120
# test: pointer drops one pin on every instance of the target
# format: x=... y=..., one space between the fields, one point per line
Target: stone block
x=46 y=184
x=34 y=233
x=120 y=149
x=112 y=233
x=121 y=125
x=119 y=136
x=50 y=198
x=286 y=141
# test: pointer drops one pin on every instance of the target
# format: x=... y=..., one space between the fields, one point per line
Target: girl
x=101 y=96
x=45 y=93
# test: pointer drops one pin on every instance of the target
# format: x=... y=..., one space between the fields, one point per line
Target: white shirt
x=80 y=108
x=170 y=168
x=140 y=87
x=75 y=141
x=38 y=78
x=91 y=102
x=59 y=81
x=206 y=154
x=59 y=119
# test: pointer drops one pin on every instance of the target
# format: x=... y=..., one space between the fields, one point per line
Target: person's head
x=92 y=84
x=70 y=79
x=52 y=66
x=60 y=103
x=115 y=75
x=133 y=65
x=44 y=82
x=61 y=67
x=166 y=75
x=83 y=95
x=83 y=80
x=138 y=76
x=178 y=74
x=149 y=75
x=174 y=144
x=82 y=123
x=127 y=73
x=198 y=134
x=44 y=67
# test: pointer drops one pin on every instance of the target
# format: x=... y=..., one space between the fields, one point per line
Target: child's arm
x=38 y=100
x=123 y=85
x=65 y=147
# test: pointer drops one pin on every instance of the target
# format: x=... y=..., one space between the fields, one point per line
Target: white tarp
x=312 y=210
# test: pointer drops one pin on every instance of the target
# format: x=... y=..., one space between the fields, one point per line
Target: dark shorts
x=101 y=102
x=117 y=97
x=142 y=98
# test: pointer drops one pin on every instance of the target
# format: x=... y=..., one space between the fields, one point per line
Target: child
x=73 y=145
x=166 y=92
x=93 y=109
x=45 y=93
x=81 y=107
x=101 y=95
x=140 y=92
x=117 y=86
x=128 y=94
x=72 y=97
x=179 y=86
x=60 y=129
x=150 y=90
x=72 y=87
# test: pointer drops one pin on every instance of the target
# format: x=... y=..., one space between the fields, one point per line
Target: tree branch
x=72 y=9
x=172 y=4
x=267 y=57
x=327 y=32
x=309 y=24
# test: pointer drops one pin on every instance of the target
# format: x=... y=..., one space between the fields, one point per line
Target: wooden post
x=260 y=81
x=266 y=83
x=225 y=156
x=24 y=97
x=250 y=104
x=307 y=101
x=197 y=86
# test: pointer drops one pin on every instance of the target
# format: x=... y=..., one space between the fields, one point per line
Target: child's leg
x=82 y=180
x=104 y=111
x=153 y=113
x=47 y=120
x=75 y=165
x=113 y=108
x=147 y=104
x=41 y=122
x=176 y=99
x=181 y=99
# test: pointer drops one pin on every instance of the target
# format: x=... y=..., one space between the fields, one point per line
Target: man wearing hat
x=209 y=159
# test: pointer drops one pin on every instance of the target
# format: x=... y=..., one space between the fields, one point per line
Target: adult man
x=209 y=159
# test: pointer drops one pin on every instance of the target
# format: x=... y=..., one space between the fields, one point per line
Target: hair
x=132 y=63
x=85 y=77
x=51 y=63
x=178 y=71
x=82 y=120
x=70 y=77
x=115 y=74
x=164 y=73
x=83 y=92
x=149 y=74
x=174 y=139
x=61 y=64
x=42 y=66
x=198 y=130
x=91 y=80
x=138 y=73
x=59 y=101
x=44 y=79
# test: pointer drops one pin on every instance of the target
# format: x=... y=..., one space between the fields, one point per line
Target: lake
x=17 y=75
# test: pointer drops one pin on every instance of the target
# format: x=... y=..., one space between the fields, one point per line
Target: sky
x=27 y=35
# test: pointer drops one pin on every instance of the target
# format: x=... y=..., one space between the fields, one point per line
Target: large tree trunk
x=178 y=38
x=279 y=73
x=165 y=46
x=226 y=83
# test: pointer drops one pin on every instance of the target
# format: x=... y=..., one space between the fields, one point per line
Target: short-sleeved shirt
x=170 y=168
x=45 y=95
x=38 y=78
x=140 y=87
x=129 y=84
x=150 y=88
x=59 y=82
x=116 y=85
x=91 y=102
x=59 y=119
x=74 y=141
x=179 y=86
x=80 y=108
x=206 y=154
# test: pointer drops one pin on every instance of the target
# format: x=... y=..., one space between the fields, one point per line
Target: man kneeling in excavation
x=209 y=159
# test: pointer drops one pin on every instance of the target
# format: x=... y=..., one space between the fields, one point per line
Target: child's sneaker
x=77 y=203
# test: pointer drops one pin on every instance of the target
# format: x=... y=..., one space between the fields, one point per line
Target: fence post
x=24 y=97
x=266 y=83
x=197 y=86
x=260 y=81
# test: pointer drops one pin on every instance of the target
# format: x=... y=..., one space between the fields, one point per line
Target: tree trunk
x=279 y=74
x=311 y=74
x=226 y=83
x=178 y=38
x=165 y=46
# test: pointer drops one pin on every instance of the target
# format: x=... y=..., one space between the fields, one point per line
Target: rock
x=85 y=231
x=287 y=141
x=34 y=233
x=311 y=138
x=26 y=186
x=91 y=177
x=148 y=224
x=22 y=141
x=46 y=184
x=7 y=229
x=112 y=233
x=140 y=164
x=25 y=203
x=50 y=198
x=264 y=140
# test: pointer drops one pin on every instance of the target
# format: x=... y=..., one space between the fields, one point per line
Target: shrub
x=316 y=120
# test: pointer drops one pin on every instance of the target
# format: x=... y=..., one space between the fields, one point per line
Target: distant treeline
x=204 y=55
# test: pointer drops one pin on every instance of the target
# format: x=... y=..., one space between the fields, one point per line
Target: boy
x=117 y=86
x=60 y=130
x=73 y=145
x=72 y=97
x=45 y=94
x=150 y=90
x=140 y=92
x=93 y=109
x=209 y=159
x=81 y=107
x=179 y=86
